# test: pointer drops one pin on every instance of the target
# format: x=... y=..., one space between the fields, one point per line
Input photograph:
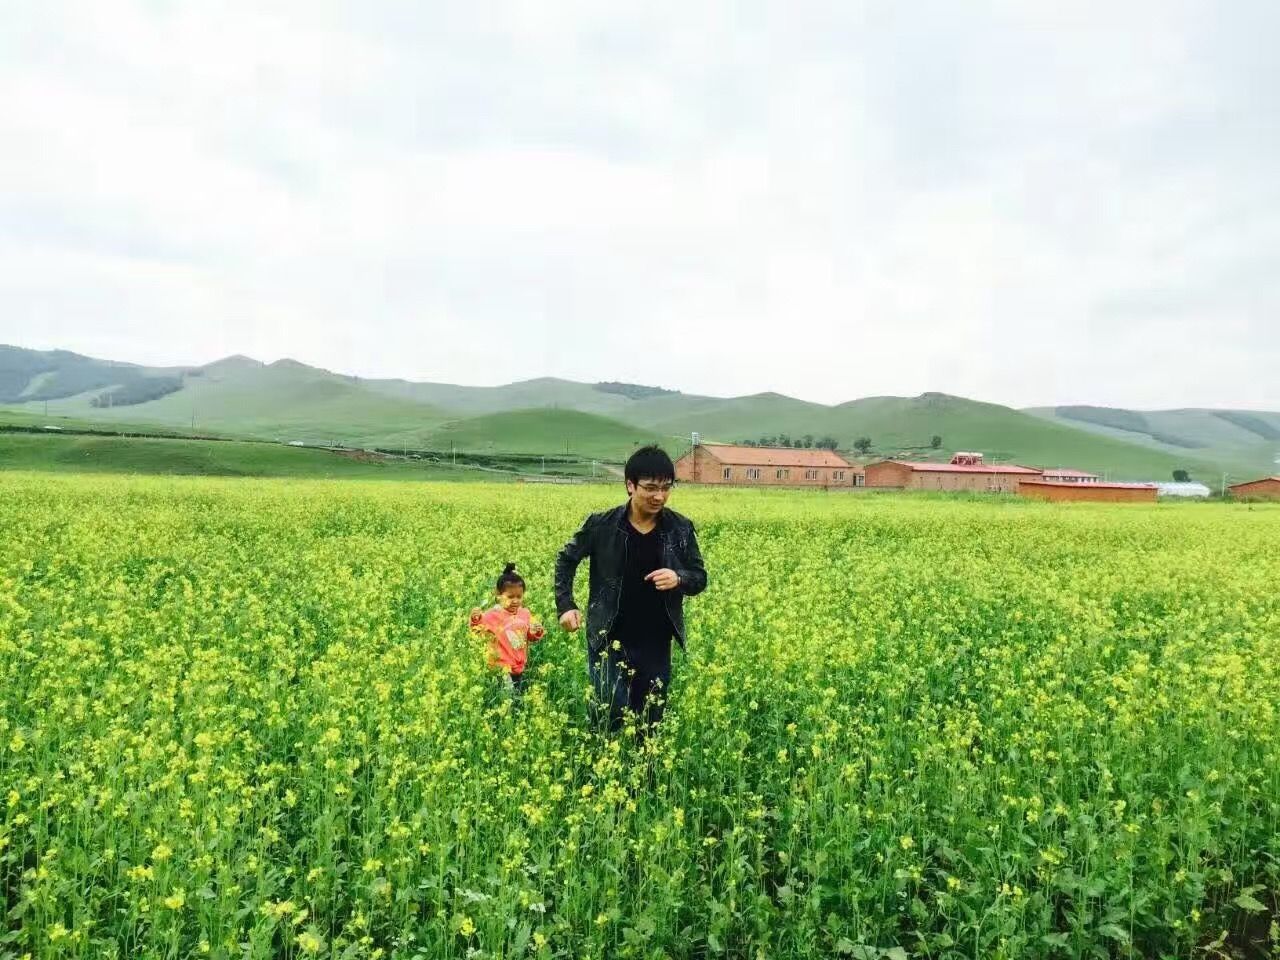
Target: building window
x=811 y=474
x=753 y=473
x=859 y=479
x=783 y=474
x=728 y=472
x=837 y=475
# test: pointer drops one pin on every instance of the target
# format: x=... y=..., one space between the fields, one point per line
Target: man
x=644 y=562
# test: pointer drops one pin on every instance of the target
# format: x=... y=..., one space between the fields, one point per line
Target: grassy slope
x=284 y=400
x=290 y=401
x=900 y=425
x=1201 y=434
x=543 y=432
x=198 y=457
x=26 y=418
x=733 y=419
x=37 y=373
x=523 y=395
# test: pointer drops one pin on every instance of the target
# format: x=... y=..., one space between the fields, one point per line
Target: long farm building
x=1268 y=488
x=965 y=472
x=723 y=463
x=1095 y=492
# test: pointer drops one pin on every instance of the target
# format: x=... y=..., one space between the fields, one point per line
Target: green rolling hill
x=32 y=376
x=283 y=401
x=1244 y=443
x=548 y=431
x=904 y=427
x=220 y=458
x=523 y=395
x=289 y=401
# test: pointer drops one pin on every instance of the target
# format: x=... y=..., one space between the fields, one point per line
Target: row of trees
x=862 y=445
x=806 y=442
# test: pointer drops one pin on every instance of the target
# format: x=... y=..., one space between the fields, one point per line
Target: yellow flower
x=309 y=942
x=176 y=900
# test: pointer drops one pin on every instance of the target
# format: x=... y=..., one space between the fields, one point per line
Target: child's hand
x=536 y=632
x=476 y=616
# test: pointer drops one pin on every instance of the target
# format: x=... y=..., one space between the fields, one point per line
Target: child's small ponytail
x=509 y=578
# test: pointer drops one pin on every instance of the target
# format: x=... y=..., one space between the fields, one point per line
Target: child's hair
x=509 y=578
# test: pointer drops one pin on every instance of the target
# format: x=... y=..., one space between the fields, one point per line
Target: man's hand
x=664 y=579
x=571 y=620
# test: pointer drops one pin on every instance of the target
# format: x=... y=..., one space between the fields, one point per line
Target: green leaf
x=1246 y=902
x=521 y=940
x=895 y=953
x=1114 y=932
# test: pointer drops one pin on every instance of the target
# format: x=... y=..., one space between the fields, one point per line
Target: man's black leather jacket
x=603 y=538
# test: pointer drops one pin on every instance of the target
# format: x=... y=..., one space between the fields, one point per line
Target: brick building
x=1067 y=475
x=965 y=472
x=725 y=463
x=1268 y=488
x=1092 y=492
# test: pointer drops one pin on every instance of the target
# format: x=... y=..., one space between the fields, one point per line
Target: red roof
x=1248 y=483
x=964 y=467
x=1112 y=485
x=775 y=456
x=1068 y=472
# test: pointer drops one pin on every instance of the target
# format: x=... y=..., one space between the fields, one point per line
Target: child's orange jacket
x=510 y=636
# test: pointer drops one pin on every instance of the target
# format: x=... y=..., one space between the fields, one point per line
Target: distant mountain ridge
x=288 y=400
x=1239 y=441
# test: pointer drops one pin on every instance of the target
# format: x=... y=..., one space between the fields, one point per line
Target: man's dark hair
x=650 y=463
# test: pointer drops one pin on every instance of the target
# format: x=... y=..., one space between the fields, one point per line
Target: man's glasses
x=655 y=487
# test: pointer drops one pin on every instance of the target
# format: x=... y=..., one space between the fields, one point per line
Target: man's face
x=650 y=495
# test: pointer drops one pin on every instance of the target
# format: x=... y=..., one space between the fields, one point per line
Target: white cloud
x=1021 y=202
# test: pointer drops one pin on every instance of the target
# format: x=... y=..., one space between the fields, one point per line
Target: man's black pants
x=620 y=687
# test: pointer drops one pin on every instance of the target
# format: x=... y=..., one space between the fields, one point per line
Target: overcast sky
x=1022 y=202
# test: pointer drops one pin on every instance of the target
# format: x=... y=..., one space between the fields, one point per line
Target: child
x=510 y=626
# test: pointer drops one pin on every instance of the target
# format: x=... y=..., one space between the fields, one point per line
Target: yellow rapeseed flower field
x=247 y=719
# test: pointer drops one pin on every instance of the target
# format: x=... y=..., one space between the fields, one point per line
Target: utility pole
x=1224 y=485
